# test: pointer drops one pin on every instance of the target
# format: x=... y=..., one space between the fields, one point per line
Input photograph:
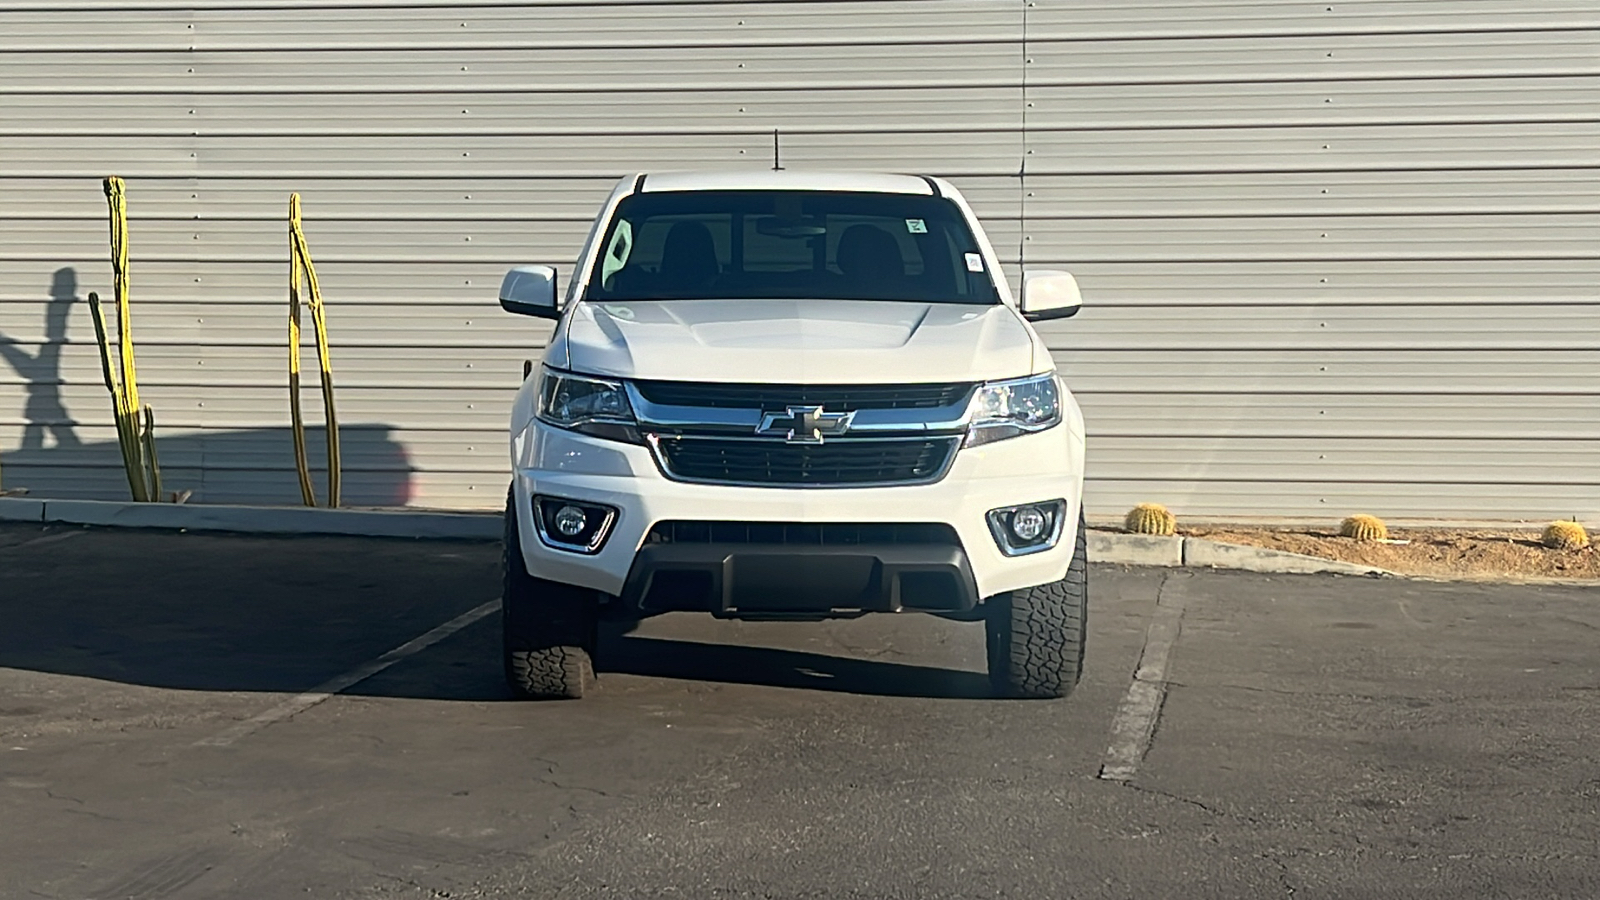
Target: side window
x=616 y=255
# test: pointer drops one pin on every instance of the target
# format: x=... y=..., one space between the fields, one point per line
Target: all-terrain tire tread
x=1037 y=635
x=547 y=628
x=551 y=673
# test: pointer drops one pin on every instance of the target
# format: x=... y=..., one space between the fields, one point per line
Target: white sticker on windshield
x=974 y=262
x=916 y=226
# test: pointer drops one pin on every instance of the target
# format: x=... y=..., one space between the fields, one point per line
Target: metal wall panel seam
x=1126 y=276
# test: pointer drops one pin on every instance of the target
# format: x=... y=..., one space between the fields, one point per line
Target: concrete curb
x=1147 y=550
x=21 y=509
x=1135 y=549
x=256 y=519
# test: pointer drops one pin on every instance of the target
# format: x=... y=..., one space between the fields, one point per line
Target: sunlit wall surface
x=1335 y=256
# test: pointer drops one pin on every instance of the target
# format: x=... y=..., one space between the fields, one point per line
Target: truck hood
x=797 y=341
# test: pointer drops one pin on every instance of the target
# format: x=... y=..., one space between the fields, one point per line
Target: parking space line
x=47 y=539
x=338 y=684
x=1135 y=722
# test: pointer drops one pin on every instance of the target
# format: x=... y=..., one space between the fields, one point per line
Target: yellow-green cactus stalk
x=1150 y=518
x=1565 y=536
x=1364 y=528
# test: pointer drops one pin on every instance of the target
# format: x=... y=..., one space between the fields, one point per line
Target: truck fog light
x=1028 y=524
x=570 y=521
x=1028 y=528
x=573 y=525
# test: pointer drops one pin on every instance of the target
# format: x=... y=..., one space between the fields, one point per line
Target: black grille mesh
x=839 y=462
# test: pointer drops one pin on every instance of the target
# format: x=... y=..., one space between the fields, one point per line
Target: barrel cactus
x=1565 y=536
x=1363 y=527
x=1150 y=518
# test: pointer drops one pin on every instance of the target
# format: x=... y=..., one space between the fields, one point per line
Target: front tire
x=548 y=629
x=1036 y=636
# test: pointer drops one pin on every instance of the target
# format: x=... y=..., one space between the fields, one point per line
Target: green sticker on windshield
x=916 y=226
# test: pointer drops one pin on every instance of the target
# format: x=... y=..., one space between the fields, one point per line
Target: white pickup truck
x=782 y=395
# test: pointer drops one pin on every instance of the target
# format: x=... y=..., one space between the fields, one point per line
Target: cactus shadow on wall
x=250 y=466
x=51 y=460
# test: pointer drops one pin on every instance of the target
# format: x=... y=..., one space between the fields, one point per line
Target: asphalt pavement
x=181 y=717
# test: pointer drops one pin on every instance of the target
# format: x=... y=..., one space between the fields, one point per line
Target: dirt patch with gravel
x=1440 y=553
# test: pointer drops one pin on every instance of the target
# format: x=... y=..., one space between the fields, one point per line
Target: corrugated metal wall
x=1337 y=255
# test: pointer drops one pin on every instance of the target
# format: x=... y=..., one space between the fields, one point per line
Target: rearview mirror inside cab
x=1049 y=294
x=530 y=291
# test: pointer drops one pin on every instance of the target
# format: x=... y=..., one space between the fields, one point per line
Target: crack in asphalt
x=550 y=769
x=1283 y=872
x=1268 y=855
x=1286 y=692
x=81 y=809
x=1157 y=792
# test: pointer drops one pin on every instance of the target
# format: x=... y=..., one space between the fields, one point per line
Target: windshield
x=790 y=244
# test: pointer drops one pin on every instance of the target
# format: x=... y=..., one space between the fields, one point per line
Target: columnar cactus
x=1150 y=518
x=1364 y=528
x=1565 y=536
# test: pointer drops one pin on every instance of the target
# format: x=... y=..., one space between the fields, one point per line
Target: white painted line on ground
x=1135 y=722
x=47 y=539
x=302 y=702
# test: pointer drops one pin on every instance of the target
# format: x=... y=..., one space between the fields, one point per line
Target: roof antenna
x=777 y=164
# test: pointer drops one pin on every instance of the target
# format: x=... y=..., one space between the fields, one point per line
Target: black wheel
x=549 y=629
x=1036 y=635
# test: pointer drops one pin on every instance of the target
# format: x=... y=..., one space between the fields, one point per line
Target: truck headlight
x=588 y=405
x=1006 y=409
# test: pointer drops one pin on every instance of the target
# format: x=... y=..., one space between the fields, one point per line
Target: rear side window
x=789 y=245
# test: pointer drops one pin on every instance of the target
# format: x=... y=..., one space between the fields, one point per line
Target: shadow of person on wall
x=41 y=370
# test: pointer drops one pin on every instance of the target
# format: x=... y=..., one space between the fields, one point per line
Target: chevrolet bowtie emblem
x=804 y=424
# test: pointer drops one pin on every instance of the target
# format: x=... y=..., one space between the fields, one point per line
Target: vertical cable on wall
x=1022 y=168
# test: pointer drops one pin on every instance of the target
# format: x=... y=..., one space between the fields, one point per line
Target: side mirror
x=530 y=291
x=1049 y=294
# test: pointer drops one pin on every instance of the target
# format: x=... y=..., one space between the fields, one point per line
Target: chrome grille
x=834 y=463
x=837 y=398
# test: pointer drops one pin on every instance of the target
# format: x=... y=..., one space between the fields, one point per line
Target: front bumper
x=1028 y=469
x=776 y=580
